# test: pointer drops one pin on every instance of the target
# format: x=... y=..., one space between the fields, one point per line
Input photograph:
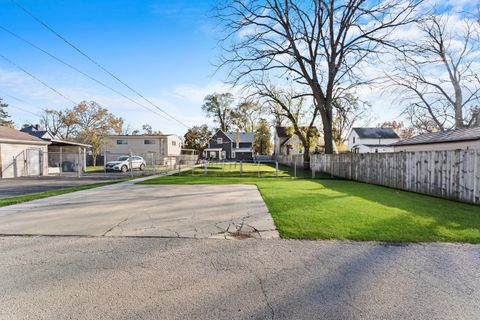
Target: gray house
x=230 y=146
x=458 y=139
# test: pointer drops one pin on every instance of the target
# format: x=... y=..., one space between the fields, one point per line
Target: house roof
x=12 y=135
x=244 y=136
x=282 y=132
x=376 y=133
x=376 y=145
x=139 y=135
x=34 y=130
x=466 y=134
x=56 y=142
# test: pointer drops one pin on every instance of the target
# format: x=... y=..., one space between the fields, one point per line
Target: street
x=152 y=278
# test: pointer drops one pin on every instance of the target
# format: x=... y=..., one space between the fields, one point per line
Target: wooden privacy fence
x=448 y=174
x=290 y=160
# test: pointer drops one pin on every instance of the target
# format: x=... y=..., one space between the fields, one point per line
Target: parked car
x=123 y=164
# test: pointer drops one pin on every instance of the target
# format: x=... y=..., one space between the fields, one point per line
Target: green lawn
x=94 y=169
x=40 y=195
x=340 y=209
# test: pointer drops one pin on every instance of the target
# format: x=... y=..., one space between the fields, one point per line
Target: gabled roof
x=245 y=137
x=12 y=135
x=34 y=131
x=282 y=132
x=376 y=133
x=467 y=134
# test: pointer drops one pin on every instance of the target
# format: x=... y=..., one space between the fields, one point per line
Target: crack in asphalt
x=115 y=226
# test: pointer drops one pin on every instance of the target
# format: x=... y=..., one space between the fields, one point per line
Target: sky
x=165 y=50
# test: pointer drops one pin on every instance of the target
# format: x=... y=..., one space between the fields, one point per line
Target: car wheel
x=124 y=169
x=142 y=167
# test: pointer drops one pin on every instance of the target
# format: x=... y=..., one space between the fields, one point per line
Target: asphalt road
x=152 y=278
x=27 y=185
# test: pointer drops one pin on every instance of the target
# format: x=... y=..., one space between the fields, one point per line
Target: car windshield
x=122 y=158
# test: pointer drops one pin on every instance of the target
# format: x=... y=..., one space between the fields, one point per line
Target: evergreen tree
x=4 y=117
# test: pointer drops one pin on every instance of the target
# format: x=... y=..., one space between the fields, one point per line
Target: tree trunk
x=327 y=132
x=94 y=159
x=306 y=160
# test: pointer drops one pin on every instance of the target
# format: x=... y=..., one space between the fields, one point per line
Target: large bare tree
x=439 y=79
x=319 y=44
x=284 y=103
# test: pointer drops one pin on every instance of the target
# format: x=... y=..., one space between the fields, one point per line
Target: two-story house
x=153 y=148
x=230 y=146
x=372 y=140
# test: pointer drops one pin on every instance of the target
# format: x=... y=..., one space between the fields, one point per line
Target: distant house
x=372 y=140
x=157 y=147
x=62 y=155
x=21 y=154
x=459 y=139
x=286 y=144
x=230 y=146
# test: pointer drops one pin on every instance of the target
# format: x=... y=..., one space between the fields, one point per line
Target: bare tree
x=60 y=123
x=439 y=79
x=319 y=44
x=285 y=103
x=246 y=115
x=349 y=111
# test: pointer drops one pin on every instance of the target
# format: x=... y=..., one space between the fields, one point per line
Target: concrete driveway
x=126 y=209
x=140 y=278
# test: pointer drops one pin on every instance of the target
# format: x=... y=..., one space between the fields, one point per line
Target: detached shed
x=21 y=154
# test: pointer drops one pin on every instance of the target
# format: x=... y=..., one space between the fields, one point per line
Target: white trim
x=14 y=141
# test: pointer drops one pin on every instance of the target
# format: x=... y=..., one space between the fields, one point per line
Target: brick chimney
x=237 y=139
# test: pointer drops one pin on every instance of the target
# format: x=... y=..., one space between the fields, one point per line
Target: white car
x=123 y=164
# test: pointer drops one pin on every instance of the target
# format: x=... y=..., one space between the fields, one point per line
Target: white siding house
x=21 y=154
x=372 y=140
x=151 y=147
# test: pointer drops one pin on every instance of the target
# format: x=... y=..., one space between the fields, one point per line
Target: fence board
x=449 y=174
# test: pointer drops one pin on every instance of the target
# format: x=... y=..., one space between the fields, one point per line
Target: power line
x=38 y=79
x=94 y=62
x=24 y=110
x=79 y=71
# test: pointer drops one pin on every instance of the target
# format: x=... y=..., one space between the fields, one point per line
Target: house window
x=174 y=143
x=233 y=154
x=219 y=140
x=122 y=141
x=148 y=141
x=353 y=139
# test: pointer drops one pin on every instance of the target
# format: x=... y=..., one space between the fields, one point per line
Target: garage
x=21 y=154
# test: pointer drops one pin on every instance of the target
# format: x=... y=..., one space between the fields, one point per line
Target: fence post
x=179 y=169
x=78 y=163
x=130 y=160
x=295 y=167
x=206 y=168
x=258 y=168
x=61 y=162
x=276 y=169
x=104 y=160
x=223 y=168
x=241 y=168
